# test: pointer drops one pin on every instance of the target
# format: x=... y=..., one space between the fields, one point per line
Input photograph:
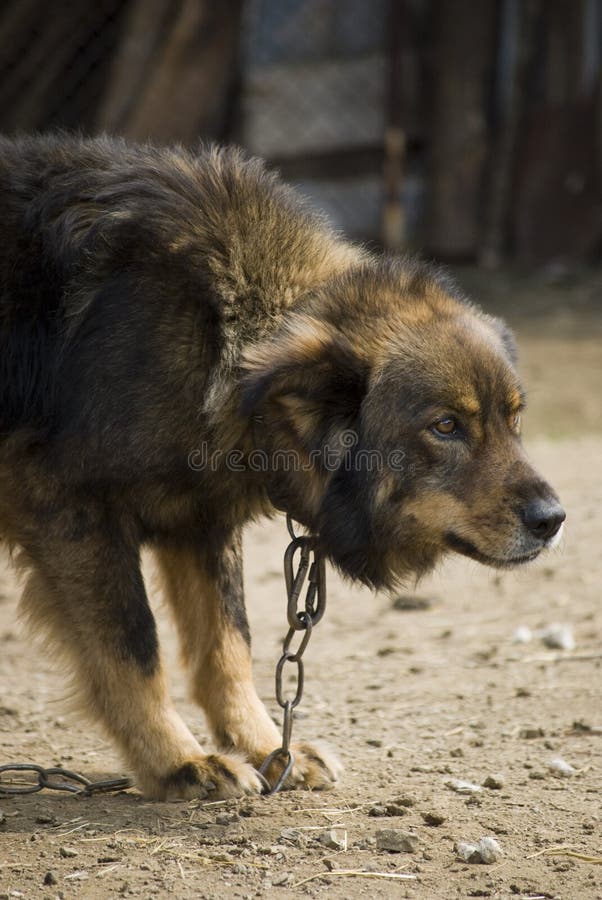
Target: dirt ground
x=411 y=699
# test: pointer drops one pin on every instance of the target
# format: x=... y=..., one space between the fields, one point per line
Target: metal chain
x=47 y=779
x=314 y=573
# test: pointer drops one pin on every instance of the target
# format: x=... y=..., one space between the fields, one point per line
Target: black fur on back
x=84 y=221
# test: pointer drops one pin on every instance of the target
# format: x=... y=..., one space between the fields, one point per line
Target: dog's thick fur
x=157 y=305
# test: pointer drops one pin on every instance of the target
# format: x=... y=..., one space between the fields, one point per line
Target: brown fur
x=173 y=329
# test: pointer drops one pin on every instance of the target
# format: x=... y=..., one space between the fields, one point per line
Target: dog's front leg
x=89 y=590
x=205 y=590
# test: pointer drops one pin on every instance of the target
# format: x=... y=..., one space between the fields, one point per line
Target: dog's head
x=389 y=410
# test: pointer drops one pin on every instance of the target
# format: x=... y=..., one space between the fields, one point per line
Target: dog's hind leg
x=205 y=591
x=88 y=589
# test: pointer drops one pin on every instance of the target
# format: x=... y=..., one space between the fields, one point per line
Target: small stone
x=467 y=852
x=560 y=767
x=411 y=603
x=397 y=840
x=557 y=636
x=536 y=775
x=581 y=727
x=489 y=849
x=289 y=834
x=463 y=787
x=390 y=809
x=495 y=782
x=522 y=635
x=239 y=869
x=404 y=801
x=329 y=864
x=67 y=852
x=365 y=844
x=433 y=818
x=377 y=811
x=529 y=734
x=225 y=818
x=457 y=752
x=486 y=850
x=334 y=839
x=50 y=878
x=301 y=841
x=374 y=742
x=2 y=817
x=278 y=880
x=395 y=809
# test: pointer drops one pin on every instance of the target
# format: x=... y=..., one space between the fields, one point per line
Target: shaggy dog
x=163 y=314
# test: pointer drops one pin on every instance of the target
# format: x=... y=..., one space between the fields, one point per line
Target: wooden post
x=173 y=75
x=520 y=28
x=394 y=220
x=462 y=63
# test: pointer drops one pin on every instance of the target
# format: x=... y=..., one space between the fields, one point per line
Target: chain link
x=56 y=778
x=310 y=572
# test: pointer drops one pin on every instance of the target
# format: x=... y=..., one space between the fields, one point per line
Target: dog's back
x=97 y=233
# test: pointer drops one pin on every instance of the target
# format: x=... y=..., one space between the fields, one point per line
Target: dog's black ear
x=307 y=381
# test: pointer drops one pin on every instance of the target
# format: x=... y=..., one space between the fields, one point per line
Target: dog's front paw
x=315 y=769
x=213 y=777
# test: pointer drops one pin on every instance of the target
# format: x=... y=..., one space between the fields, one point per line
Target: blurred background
x=469 y=129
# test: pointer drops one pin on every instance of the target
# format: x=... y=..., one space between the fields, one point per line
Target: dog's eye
x=445 y=427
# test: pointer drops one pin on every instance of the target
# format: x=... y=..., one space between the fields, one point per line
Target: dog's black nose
x=543 y=518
